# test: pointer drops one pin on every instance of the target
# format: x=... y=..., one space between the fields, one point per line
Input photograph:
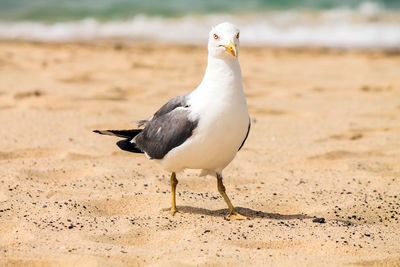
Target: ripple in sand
x=28 y=94
x=342 y=154
x=30 y=153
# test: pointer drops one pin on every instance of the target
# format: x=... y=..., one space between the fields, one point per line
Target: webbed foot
x=234 y=215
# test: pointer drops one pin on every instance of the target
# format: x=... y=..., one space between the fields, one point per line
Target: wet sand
x=325 y=142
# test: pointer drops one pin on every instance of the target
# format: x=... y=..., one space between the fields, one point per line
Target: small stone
x=319 y=220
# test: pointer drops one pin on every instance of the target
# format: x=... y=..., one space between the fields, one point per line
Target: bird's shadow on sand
x=244 y=211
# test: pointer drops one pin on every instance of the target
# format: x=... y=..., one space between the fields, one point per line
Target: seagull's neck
x=224 y=73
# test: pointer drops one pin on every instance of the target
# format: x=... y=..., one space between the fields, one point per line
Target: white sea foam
x=366 y=28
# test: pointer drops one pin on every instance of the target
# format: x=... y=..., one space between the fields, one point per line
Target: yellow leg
x=233 y=214
x=174 y=182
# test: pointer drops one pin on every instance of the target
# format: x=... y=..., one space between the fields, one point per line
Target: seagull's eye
x=237 y=36
x=216 y=37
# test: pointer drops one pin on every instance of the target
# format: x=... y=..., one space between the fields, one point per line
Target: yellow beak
x=231 y=48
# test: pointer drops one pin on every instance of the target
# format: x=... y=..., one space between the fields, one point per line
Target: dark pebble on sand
x=319 y=220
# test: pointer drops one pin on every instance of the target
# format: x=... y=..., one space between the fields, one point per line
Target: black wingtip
x=120 y=133
x=128 y=146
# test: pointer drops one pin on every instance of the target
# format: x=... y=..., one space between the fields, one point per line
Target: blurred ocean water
x=329 y=23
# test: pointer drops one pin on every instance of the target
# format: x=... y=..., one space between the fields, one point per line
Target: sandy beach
x=325 y=142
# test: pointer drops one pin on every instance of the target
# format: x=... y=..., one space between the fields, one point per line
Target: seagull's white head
x=223 y=41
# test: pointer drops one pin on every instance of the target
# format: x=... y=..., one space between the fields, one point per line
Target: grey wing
x=180 y=101
x=165 y=132
x=247 y=134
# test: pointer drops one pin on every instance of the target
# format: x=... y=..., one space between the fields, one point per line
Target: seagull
x=203 y=129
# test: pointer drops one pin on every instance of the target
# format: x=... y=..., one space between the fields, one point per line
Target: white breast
x=223 y=124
